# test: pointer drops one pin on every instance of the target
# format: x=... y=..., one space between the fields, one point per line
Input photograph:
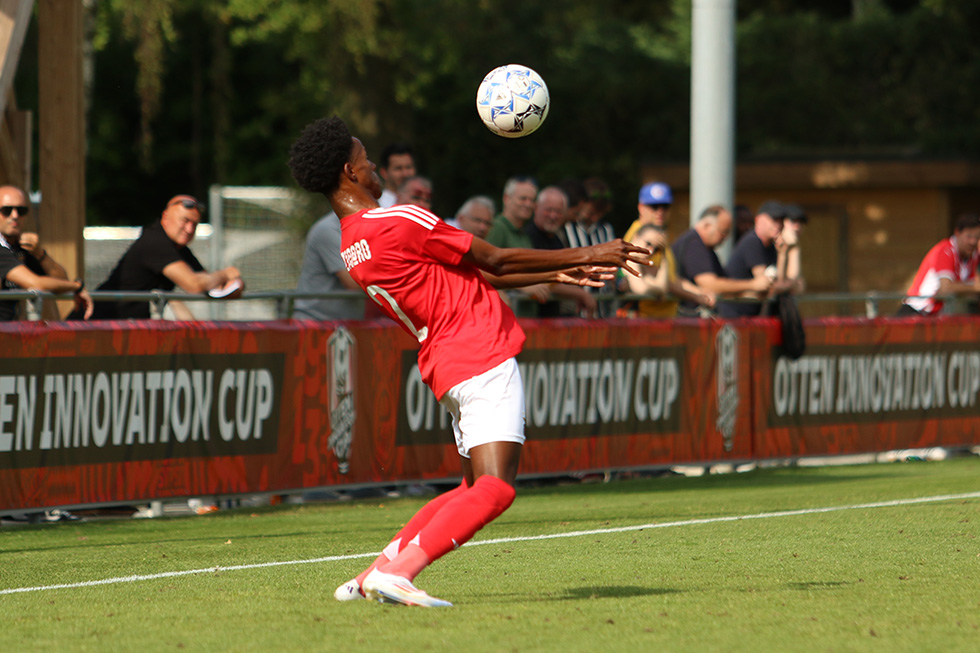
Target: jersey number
x=374 y=292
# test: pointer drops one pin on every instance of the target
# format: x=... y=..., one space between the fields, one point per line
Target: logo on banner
x=340 y=375
x=726 y=347
x=568 y=393
x=88 y=410
x=845 y=383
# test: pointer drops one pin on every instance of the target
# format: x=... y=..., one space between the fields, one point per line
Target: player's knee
x=496 y=493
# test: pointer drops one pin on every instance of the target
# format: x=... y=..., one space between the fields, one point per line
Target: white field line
x=505 y=540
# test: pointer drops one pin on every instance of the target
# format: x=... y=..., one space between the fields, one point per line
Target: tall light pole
x=712 y=105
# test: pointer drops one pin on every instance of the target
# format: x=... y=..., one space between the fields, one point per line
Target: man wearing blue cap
x=653 y=207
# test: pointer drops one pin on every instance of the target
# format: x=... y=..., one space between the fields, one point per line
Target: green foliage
x=187 y=93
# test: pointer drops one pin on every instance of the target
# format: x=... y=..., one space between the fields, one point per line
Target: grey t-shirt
x=321 y=262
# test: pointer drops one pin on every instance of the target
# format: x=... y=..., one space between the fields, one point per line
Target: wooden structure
x=61 y=121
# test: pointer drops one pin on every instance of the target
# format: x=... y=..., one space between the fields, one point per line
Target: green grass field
x=901 y=577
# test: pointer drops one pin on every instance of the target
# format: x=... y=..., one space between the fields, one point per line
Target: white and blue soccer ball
x=512 y=101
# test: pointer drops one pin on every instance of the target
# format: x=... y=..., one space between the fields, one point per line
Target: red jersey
x=942 y=262
x=410 y=262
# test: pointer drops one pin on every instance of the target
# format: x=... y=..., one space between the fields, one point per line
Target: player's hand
x=593 y=276
x=618 y=253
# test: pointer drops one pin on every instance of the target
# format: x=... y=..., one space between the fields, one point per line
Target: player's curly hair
x=317 y=157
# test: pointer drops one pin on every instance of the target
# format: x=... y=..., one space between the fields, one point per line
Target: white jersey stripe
x=414 y=213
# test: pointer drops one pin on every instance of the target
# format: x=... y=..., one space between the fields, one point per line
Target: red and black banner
x=131 y=412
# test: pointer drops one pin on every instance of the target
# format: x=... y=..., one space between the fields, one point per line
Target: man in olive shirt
x=519 y=200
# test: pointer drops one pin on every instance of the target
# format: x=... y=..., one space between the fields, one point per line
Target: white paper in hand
x=227 y=289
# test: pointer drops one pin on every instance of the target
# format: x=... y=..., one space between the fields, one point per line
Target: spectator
x=793 y=226
x=323 y=270
x=160 y=259
x=591 y=228
x=475 y=216
x=550 y=214
x=659 y=280
x=25 y=264
x=698 y=263
x=653 y=207
x=744 y=221
x=756 y=257
x=415 y=190
x=574 y=190
x=949 y=268
x=508 y=232
x=518 y=208
x=397 y=165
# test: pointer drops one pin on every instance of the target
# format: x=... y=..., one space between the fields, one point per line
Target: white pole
x=712 y=106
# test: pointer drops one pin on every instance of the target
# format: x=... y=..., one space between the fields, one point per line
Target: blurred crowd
x=687 y=276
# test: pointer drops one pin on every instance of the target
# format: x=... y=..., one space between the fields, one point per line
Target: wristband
x=81 y=285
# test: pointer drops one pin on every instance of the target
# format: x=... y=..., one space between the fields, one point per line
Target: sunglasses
x=659 y=206
x=190 y=204
x=7 y=210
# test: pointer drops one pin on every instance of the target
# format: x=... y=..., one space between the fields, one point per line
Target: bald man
x=160 y=259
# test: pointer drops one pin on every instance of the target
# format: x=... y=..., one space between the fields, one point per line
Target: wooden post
x=62 y=132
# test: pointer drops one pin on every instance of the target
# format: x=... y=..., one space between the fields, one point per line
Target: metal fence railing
x=868 y=305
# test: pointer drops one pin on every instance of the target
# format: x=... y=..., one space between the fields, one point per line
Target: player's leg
x=489 y=410
x=352 y=589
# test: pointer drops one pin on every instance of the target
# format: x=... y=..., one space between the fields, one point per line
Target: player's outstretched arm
x=583 y=275
x=507 y=261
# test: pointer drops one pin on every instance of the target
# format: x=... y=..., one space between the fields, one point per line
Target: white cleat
x=349 y=591
x=389 y=588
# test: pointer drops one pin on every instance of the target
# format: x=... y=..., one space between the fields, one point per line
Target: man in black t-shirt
x=697 y=262
x=24 y=263
x=161 y=260
x=550 y=216
x=756 y=257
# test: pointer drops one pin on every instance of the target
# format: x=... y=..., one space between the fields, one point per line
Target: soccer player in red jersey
x=426 y=275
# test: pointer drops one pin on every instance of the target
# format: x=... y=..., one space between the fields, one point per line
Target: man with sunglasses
x=160 y=259
x=25 y=264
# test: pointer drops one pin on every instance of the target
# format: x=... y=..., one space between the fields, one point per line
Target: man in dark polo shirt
x=756 y=257
x=161 y=260
x=24 y=263
x=698 y=264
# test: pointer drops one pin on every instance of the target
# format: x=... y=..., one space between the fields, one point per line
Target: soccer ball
x=512 y=101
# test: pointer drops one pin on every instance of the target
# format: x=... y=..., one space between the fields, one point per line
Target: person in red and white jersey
x=950 y=268
x=438 y=283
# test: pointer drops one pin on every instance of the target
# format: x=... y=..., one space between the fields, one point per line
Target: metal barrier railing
x=284 y=300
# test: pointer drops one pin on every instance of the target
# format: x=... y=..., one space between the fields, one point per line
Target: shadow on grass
x=760 y=478
x=613 y=592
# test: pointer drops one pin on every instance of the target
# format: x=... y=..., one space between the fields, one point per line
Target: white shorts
x=488 y=407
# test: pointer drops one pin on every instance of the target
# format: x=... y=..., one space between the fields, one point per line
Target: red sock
x=411 y=529
x=461 y=518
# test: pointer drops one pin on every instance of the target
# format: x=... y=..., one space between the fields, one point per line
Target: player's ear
x=349 y=172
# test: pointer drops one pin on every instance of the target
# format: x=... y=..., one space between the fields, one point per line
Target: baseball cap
x=795 y=213
x=773 y=209
x=656 y=193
